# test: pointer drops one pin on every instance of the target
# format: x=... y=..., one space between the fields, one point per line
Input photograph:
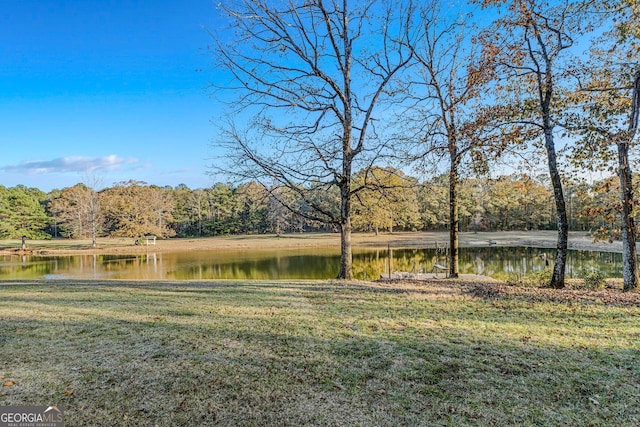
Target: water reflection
x=296 y=264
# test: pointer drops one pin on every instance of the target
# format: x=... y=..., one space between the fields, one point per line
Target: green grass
x=319 y=353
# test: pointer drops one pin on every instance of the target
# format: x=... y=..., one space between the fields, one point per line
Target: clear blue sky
x=109 y=87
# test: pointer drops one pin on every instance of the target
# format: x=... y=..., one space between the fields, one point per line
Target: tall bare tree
x=93 y=208
x=307 y=77
x=443 y=95
x=79 y=211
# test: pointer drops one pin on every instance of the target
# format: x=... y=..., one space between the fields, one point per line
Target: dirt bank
x=539 y=239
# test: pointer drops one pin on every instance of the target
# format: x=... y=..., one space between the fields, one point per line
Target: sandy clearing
x=540 y=239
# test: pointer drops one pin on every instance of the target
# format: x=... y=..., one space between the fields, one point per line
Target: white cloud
x=81 y=164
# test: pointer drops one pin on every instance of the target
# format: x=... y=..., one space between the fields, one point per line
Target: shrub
x=593 y=279
x=536 y=279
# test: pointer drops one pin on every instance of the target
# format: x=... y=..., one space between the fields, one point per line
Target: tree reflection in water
x=315 y=263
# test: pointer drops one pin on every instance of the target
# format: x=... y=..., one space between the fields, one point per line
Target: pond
x=314 y=263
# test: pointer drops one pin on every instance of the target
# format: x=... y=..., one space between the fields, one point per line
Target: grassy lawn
x=441 y=353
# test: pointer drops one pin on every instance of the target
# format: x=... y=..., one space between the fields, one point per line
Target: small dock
x=418 y=273
x=399 y=275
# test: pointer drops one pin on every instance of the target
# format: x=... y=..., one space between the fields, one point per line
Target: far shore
x=537 y=239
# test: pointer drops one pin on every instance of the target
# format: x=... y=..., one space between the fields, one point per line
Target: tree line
x=397 y=202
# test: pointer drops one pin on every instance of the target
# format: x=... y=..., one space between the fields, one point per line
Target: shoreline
x=123 y=246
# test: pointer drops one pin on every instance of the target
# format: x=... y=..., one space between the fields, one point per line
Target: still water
x=294 y=264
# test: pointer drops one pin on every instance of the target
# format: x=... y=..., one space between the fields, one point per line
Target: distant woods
x=388 y=201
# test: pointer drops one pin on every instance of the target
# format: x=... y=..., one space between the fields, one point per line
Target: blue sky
x=116 y=89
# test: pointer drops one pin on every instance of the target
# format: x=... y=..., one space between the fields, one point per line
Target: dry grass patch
x=319 y=353
x=578 y=240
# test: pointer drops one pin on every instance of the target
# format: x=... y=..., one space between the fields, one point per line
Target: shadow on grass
x=287 y=354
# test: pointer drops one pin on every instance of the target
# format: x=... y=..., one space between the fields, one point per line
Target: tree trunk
x=454 y=221
x=346 y=260
x=629 y=250
x=557 y=279
x=346 y=270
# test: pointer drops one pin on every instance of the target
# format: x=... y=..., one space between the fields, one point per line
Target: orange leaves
x=7 y=383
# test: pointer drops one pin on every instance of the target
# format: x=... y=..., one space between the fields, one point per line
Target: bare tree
x=93 y=208
x=305 y=77
x=443 y=96
x=79 y=210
